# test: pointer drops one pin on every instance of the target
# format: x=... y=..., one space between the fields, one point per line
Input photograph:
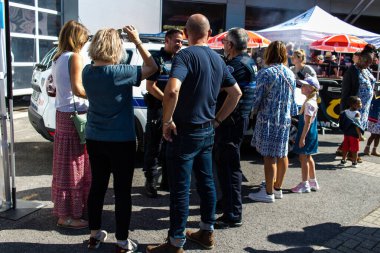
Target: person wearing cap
x=306 y=143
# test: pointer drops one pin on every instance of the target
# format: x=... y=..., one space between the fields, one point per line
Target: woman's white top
x=64 y=101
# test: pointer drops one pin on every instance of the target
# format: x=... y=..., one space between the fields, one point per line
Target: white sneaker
x=95 y=242
x=127 y=246
x=302 y=187
x=278 y=194
x=314 y=186
x=261 y=196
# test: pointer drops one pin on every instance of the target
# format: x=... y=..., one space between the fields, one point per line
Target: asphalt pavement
x=297 y=223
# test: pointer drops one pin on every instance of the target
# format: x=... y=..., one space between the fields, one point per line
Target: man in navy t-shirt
x=197 y=76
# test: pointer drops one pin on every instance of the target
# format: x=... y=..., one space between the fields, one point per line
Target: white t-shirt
x=311 y=108
x=353 y=115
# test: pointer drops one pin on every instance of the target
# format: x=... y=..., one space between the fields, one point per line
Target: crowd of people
x=198 y=108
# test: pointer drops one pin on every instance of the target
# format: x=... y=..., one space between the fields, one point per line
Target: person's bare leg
x=282 y=166
x=304 y=167
x=269 y=169
x=344 y=155
x=311 y=164
x=354 y=156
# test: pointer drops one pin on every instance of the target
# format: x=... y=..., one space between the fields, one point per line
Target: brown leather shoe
x=202 y=237
x=164 y=248
x=374 y=152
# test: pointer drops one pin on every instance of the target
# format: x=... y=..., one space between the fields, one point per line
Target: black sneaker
x=94 y=242
x=151 y=188
x=343 y=163
x=224 y=223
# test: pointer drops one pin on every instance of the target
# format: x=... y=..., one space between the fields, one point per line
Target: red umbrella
x=254 y=40
x=341 y=43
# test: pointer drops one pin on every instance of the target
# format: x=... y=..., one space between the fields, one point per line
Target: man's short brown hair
x=171 y=32
x=275 y=53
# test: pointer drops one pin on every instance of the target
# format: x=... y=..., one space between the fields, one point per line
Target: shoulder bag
x=80 y=120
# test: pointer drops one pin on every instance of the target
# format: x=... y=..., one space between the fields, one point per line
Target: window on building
x=34 y=26
x=24 y=49
x=50 y=4
x=176 y=13
x=257 y=18
x=27 y=2
x=22 y=20
x=49 y=24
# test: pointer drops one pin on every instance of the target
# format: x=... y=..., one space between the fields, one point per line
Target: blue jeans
x=190 y=149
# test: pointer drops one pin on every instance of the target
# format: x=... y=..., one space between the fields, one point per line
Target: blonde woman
x=300 y=69
x=110 y=133
x=71 y=167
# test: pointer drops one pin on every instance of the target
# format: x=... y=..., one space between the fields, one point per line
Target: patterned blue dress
x=274 y=101
x=366 y=85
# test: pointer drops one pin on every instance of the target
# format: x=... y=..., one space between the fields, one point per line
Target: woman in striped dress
x=71 y=167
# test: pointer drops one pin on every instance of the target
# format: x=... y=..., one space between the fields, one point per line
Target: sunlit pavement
x=341 y=217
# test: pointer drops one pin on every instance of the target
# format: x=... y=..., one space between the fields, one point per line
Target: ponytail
x=311 y=95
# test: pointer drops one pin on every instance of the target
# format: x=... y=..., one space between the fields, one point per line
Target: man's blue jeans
x=190 y=149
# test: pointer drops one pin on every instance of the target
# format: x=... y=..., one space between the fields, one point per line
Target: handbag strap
x=71 y=85
x=286 y=80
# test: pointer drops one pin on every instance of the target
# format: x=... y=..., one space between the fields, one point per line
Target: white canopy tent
x=312 y=25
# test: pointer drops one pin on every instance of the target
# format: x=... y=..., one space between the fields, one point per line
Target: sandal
x=73 y=224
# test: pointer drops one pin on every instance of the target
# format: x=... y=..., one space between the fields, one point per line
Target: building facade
x=35 y=24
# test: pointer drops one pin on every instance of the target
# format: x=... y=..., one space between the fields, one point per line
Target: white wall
x=145 y=15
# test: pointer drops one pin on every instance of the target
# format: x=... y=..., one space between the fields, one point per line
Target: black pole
x=9 y=76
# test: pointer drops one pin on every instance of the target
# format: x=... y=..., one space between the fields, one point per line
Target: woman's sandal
x=69 y=223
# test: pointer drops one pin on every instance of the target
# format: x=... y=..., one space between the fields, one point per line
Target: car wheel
x=139 y=136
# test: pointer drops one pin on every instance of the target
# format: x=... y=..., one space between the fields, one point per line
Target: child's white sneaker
x=302 y=187
x=314 y=186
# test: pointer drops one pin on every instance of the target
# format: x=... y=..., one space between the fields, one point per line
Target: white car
x=42 y=104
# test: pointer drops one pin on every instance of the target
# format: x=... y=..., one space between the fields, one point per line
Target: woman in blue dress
x=366 y=85
x=274 y=101
x=306 y=142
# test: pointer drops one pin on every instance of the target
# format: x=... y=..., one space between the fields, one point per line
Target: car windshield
x=47 y=60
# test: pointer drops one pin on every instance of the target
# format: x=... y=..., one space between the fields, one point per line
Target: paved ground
x=342 y=217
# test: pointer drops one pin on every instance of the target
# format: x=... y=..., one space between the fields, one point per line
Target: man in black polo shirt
x=197 y=76
x=229 y=135
x=155 y=85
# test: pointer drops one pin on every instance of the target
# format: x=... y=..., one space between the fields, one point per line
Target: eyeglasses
x=89 y=38
x=225 y=40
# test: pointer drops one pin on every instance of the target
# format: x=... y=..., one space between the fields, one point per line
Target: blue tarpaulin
x=1 y=15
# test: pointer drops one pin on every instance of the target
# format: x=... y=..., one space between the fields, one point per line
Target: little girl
x=373 y=128
x=307 y=136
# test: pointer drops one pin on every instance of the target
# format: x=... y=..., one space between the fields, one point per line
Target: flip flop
x=69 y=224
